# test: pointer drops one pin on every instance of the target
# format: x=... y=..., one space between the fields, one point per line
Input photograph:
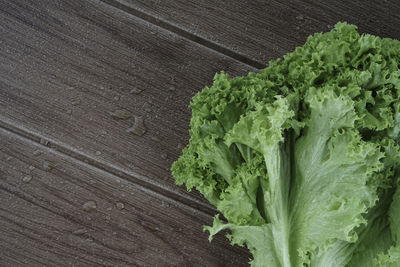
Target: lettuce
x=303 y=158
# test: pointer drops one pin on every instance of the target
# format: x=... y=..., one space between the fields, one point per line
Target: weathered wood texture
x=263 y=30
x=43 y=221
x=66 y=65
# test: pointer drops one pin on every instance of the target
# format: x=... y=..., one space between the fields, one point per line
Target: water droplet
x=9 y=158
x=80 y=231
x=89 y=205
x=37 y=152
x=69 y=112
x=120 y=205
x=138 y=127
x=44 y=141
x=76 y=102
x=31 y=168
x=156 y=139
x=164 y=156
x=48 y=166
x=98 y=153
x=136 y=91
x=27 y=179
x=117 y=98
x=121 y=114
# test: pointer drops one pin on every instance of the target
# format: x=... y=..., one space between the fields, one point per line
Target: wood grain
x=264 y=30
x=43 y=223
x=66 y=65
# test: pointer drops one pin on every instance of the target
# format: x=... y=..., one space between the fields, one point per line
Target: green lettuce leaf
x=391 y=259
x=330 y=163
x=303 y=158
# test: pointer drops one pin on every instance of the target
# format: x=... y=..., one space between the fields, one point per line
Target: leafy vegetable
x=303 y=158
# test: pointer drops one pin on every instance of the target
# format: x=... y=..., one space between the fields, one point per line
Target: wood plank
x=65 y=65
x=43 y=222
x=264 y=30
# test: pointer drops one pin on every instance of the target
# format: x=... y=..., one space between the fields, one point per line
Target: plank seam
x=142 y=182
x=183 y=33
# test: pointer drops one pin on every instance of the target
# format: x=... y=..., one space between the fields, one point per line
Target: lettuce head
x=302 y=159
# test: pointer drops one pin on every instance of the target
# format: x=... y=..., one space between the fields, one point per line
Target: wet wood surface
x=259 y=31
x=68 y=66
x=56 y=210
x=93 y=111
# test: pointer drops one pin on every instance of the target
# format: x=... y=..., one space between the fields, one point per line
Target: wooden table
x=77 y=187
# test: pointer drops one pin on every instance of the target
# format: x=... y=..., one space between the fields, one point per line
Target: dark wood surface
x=262 y=30
x=47 y=216
x=68 y=64
x=74 y=77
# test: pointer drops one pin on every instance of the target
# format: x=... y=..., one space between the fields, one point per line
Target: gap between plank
x=145 y=184
x=183 y=33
